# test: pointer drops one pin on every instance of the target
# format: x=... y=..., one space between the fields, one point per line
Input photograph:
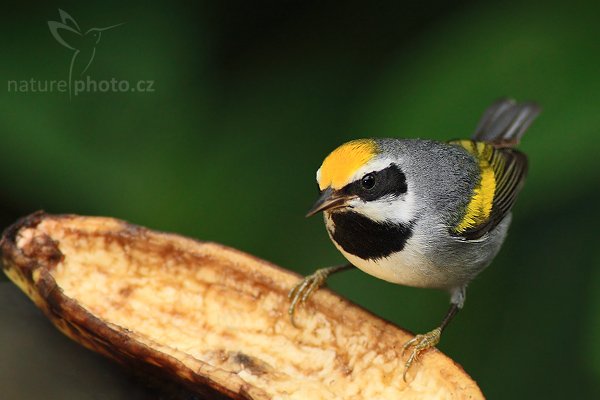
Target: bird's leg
x=423 y=342
x=302 y=291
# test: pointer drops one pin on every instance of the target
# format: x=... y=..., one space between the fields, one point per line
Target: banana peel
x=211 y=318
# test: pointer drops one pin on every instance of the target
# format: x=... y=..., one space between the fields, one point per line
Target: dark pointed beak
x=329 y=199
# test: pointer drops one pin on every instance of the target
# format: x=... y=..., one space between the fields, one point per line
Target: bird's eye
x=368 y=181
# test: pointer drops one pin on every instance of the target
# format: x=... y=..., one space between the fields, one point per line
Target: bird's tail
x=504 y=122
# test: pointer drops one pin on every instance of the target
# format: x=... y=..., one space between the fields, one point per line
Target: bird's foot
x=419 y=344
x=302 y=291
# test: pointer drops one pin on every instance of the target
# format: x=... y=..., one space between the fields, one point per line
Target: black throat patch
x=368 y=239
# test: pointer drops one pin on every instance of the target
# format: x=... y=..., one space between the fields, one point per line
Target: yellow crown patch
x=343 y=162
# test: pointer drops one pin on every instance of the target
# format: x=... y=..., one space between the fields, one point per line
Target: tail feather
x=504 y=122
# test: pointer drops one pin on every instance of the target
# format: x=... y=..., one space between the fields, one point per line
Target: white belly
x=412 y=266
x=408 y=267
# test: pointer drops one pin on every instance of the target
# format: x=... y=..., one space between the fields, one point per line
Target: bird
x=67 y=33
x=420 y=212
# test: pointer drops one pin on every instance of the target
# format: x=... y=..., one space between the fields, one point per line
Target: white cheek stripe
x=402 y=209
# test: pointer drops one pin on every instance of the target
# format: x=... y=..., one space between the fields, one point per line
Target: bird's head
x=361 y=177
x=94 y=34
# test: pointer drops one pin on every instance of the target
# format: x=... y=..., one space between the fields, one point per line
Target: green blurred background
x=250 y=96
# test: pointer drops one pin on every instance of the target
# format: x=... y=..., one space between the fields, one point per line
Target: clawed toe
x=302 y=292
x=420 y=343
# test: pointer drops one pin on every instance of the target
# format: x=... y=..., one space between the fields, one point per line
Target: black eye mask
x=375 y=185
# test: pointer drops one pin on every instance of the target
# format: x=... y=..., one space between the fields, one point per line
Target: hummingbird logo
x=67 y=33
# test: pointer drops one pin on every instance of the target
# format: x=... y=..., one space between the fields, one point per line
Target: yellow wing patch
x=479 y=208
x=339 y=166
